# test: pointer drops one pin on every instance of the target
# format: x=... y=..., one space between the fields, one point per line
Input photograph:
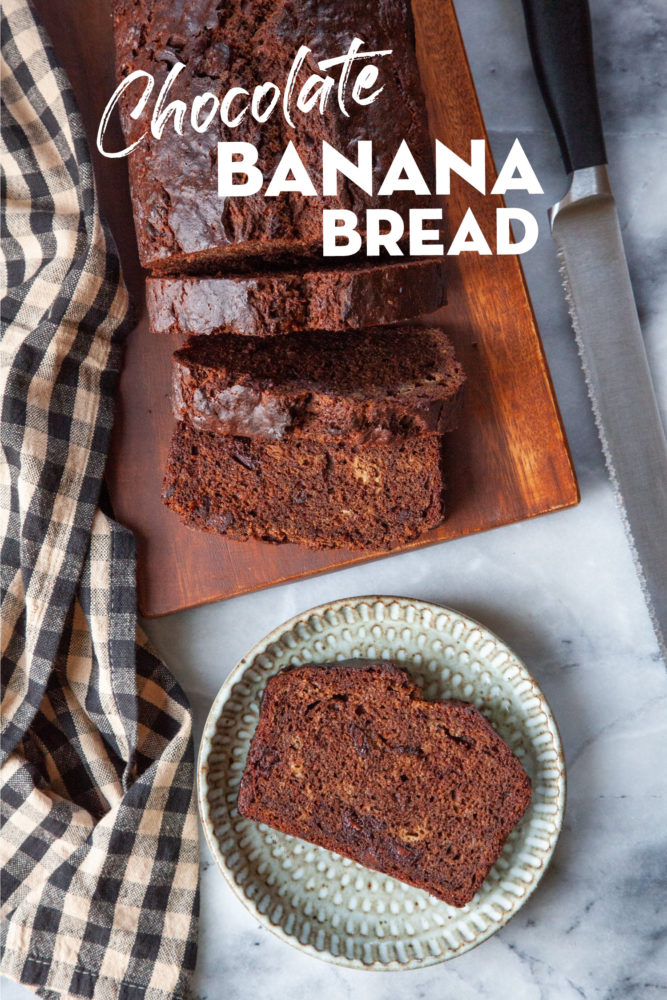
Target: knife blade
x=585 y=227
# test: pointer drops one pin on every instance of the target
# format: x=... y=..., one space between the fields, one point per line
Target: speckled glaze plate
x=329 y=906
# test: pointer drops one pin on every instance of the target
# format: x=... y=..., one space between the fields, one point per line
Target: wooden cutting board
x=508 y=460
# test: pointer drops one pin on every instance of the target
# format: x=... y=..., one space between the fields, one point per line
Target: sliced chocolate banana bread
x=278 y=303
x=363 y=385
x=338 y=495
x=351 y=757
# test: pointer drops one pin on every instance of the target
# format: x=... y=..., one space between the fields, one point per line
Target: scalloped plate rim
x=202 y=784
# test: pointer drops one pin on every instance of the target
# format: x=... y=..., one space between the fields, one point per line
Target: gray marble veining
x=561 y=590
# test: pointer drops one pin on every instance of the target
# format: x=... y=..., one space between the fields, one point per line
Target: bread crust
x=182 y=224
x=375 y=385
x=272 y=304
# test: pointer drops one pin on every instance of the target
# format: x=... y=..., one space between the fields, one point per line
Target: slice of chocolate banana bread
x=351 y=757
x=363 y=385
x=227 y=50
x=273 y=304
x=334 y=495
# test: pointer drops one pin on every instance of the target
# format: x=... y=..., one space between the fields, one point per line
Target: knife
x=584 y=225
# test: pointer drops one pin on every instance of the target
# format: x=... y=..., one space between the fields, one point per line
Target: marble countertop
x=560 y=590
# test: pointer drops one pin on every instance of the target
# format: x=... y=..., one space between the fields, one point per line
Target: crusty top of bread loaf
x=274 y=303
x=377 y=384
x=181 y=221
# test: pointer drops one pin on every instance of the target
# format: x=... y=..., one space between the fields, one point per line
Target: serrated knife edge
x=590 y=186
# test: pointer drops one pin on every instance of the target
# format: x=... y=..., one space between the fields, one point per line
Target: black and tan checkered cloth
x=99 y=839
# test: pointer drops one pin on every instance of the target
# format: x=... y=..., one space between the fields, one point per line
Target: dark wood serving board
x=508 y=460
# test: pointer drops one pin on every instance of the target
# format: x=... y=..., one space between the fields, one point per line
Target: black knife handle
x=560 y=39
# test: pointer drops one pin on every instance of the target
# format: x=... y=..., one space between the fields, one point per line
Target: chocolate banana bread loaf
x=334 y=495
x=268 y=304
x=182 y=224
x=351 y=757
x=362 y=385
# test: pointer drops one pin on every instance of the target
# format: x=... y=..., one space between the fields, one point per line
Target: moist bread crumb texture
x=351 y=757
x=297 y=490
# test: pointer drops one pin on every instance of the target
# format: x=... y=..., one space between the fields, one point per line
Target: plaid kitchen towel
x=99 y=877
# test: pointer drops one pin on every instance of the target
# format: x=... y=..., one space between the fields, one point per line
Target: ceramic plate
x=329 y=906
